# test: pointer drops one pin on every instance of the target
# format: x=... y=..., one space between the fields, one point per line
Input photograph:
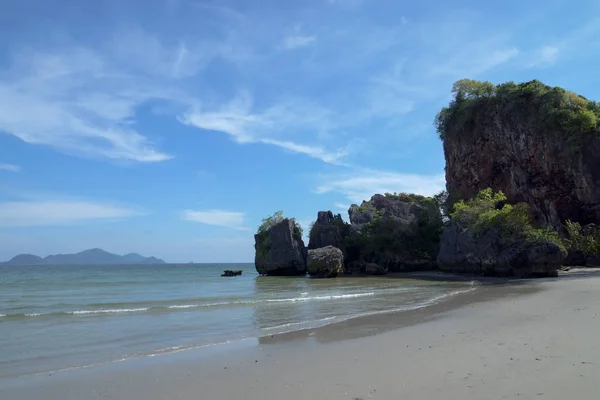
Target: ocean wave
x=304 y=297
x=284 y=328
x=185 y=306
x=328 y=297
x=121 y=310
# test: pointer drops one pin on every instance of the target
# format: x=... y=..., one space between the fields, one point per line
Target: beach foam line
x=304 y=297
x=185 y=306
x=300 y=324
x=337 y=319
x=328 y=297
x=110 y=311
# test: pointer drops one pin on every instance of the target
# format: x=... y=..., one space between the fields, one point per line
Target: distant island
x=86 y=257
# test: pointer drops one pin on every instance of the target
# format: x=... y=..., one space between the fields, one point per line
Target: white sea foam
x=121 y=310
x=329 y=297
x=185 y=306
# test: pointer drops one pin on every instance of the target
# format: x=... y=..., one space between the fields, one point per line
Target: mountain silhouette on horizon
x=86 y=257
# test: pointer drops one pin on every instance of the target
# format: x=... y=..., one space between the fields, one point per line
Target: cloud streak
x=363 y=184
x=297 y=41
x=223 y=218
x=271 y=126
x=58 y=212
x=10 y=167
x=75 y=102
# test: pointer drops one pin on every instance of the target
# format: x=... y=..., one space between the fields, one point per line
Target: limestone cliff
x=280 y=249
x=539 y=145
x=327 y=230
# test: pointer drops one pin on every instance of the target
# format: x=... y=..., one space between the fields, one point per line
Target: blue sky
x=171 y=127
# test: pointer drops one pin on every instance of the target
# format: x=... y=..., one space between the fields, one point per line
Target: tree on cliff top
x=272 y=220
x=557 y=108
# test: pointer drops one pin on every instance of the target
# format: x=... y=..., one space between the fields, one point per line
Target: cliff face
x=328 y=230
x=280 y=250
x=512 y=147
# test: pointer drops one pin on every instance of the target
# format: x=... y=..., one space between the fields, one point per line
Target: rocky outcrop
x=325 y=262
x=397 y=232
x=327 y=230
x=490 y=254
x=403 y=209
x=280 y=250
x=511 y=144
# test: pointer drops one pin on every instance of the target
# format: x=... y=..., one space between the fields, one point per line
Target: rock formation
x=325 y=262
x=397 y=232
x=280 y=250
x=539 y=145
x=490 y=254
x=327 y=230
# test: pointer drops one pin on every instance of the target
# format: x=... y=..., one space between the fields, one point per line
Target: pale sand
x=526 y=340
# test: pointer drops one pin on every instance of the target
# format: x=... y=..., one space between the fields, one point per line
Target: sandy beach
x=522 y=339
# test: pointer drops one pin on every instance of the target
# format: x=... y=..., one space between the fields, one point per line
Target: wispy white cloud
x=297 y=41
x=59 y=212
x=73 y=101
x=544 y=56
x=341 y=206
x=10 y=167
x=361 y=185
x=228 y=219
x=275 y=125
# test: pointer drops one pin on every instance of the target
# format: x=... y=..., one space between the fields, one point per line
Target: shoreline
x=407 y=310
x=289 y=357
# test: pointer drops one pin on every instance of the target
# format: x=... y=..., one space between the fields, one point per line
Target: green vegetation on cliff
x=487 y=210
x=391 y=241
x=554 y=108
x=584 y=240
x=266 y=225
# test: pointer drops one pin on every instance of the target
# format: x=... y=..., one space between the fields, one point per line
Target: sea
x=54 y=318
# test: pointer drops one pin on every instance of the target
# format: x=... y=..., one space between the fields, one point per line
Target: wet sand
x=521 y=339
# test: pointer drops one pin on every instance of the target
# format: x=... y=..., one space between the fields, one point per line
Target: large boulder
x=280 y=250
x=490 y=254
x=398 y=232
x=325 y=262
x=327 y=230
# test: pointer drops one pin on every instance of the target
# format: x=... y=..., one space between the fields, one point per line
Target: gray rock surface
x=327 y=230
x=325 y=262
x=399 y=210
x=489 y=254
x=516 y=152
x=279 y=251
x=388 y=230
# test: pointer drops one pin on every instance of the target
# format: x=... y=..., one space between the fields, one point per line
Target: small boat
x=228 y=272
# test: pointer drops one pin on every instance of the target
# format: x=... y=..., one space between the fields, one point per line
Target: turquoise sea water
x=58 y=317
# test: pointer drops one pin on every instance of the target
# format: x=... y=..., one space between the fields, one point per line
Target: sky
x=172 y=127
